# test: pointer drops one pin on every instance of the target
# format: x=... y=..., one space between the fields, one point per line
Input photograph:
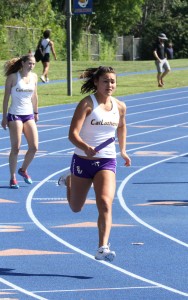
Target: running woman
x=21 y=85
x=96 y=119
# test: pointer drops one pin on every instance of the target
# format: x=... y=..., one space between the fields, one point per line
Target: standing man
x=161 y=61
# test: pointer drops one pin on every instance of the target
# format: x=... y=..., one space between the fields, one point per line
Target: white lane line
x=128 y=100
x=155 y=94
x=100 y=289
x=132 y=214
x=53 y=128
x=56 y=111
x=65 y=126
x=158 y=143
x=40 y=142
x=124 y=271
x=128 y=124
x=157 y=118
x=129 y=150
x=152 y=103
x=157 y=109
x=41 y=121
x=17 y=288
x=129 y=114
x=60 y=240
x=43 y=130
x=49 y=120
x=42 y=155
x=156 y=102
x=16 y=223
x=158 y=129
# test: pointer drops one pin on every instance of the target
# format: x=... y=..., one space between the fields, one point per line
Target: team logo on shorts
x=78 y=170
x=96 y=163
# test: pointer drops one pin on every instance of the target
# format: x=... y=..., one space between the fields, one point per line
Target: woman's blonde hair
x=15 y=64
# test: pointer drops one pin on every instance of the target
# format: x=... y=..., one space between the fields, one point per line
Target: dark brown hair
x=92 y=74
x=46 y=33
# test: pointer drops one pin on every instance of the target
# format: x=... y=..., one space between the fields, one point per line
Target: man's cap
x=162 y=36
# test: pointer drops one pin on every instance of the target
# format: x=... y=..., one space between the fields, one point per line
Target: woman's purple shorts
x=22 y=118
x=88 y=168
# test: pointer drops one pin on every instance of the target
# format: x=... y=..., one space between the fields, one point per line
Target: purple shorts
x=22 y=118
x=88 y=168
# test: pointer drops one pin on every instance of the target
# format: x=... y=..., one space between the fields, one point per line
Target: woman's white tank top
x=99 y=126
x=45 y=44
x=21 y=95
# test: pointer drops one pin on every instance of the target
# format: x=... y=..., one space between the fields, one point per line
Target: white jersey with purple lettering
x=99 y=126
x=21 y=95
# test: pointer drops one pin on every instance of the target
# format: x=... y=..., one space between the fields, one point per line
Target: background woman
x=48 y=45
x=21 y=85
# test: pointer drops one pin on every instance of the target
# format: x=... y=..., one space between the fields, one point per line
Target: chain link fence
x=124 y=48
x=16 y=41
x=22 y=40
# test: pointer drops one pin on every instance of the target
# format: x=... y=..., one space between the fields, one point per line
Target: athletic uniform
x=21 y=107
x=45 y=44
x=97 y=128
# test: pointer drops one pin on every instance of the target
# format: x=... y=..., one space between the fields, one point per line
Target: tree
x=110 y=18
x=170 y=17
x=28 y=21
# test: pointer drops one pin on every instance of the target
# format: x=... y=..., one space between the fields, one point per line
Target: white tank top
x=21 y=95
x=98 y=127
x=45 y=44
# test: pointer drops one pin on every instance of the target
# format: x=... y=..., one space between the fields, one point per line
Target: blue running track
x=47 y=252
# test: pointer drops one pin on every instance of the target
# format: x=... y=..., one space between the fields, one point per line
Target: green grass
x=52 y=94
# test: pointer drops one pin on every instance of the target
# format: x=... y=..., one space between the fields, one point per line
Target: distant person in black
x=160 y=54
x=170 y=51
x=48 y=45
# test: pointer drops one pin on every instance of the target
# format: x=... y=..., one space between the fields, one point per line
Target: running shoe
x=25 y=176
x=14 y=184
x=62 y=181
x=104 y=253
x=43 y=78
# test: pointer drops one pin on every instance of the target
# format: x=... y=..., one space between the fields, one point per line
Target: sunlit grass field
x=57 y=93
